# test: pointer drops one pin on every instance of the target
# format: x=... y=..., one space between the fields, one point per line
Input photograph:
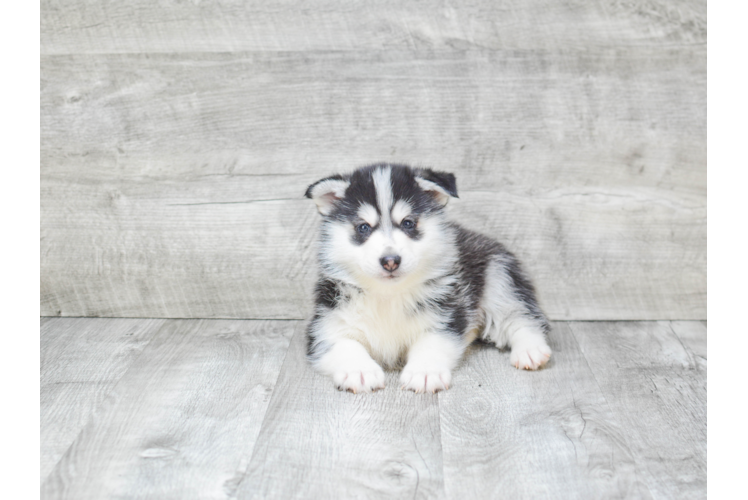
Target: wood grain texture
x=692 y=334
x=229 y=409
x=181 y=423
x=171 y=183
x=77 y=26
x=546 y=434
x=318 y=442
x=151 y=251
x=656 y=386
x=82 y=359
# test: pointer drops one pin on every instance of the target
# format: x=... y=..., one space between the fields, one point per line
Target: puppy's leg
x=527 y=340
x=351 y=367
x=513 y=317
x=530 y=349
x=430 y=363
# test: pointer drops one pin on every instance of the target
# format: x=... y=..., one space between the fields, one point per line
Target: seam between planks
x=245 y=472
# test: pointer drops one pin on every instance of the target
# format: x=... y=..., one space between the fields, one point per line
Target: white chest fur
x=386 y=325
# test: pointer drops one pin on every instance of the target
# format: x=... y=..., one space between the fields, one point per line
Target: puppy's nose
x=390 y=262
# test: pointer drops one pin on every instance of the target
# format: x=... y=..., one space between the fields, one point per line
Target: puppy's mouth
x=390 y=276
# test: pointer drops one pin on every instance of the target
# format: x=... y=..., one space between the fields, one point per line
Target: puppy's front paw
x=530 y=356
x=368 y=379
x=420 y=380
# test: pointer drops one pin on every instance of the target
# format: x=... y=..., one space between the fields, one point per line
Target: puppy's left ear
x=327 y=192
x=441 y=185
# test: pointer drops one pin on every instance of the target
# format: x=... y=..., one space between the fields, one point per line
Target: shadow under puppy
x=399 y=283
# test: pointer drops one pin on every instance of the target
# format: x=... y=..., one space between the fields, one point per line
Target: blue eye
x=363 y=228
x=407 y=224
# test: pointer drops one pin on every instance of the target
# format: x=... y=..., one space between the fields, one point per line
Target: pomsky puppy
x=399 y=284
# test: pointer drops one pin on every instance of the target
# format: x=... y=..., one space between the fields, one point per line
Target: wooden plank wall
x=177 y=139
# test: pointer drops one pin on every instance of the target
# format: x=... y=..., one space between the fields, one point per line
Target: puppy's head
x=383 y=223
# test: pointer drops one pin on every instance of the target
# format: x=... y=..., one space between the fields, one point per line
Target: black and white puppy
x=399 y=283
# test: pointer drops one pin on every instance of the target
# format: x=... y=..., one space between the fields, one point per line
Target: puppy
x=400 y=284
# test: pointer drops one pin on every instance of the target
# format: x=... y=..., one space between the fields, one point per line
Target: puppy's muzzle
x=390 y=262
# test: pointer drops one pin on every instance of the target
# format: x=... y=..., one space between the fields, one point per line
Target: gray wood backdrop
x=177 y=139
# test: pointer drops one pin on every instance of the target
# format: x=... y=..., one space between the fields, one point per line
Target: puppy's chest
x=387 y=325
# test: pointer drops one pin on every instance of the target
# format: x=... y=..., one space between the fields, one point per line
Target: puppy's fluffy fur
x=400 y=284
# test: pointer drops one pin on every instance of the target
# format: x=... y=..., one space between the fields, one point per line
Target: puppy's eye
x=407 y=224
x=363 y=228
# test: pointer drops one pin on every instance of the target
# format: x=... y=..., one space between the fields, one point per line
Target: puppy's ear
x=441 y=185
x=327 y=192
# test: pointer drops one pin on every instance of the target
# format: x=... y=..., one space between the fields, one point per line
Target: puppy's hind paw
x=530 y=357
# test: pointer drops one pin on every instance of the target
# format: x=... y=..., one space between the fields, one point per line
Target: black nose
x=390 y=262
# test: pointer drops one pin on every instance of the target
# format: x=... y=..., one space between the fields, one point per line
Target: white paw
x=530 y=356
x=425 y=380
x=368 y=379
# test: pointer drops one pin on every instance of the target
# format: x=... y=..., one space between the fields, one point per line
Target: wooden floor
x=153 y=408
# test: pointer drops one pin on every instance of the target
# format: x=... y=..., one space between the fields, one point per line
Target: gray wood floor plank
x=82 y=359
x=181 y=423
x=657 y=389
x=317 y=442
x=693 y=336
x=170 y=182
x=546 y=434
x=203 y=412
x=143 y=26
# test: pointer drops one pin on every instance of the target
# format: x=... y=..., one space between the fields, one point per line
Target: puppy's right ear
x=327 y=192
